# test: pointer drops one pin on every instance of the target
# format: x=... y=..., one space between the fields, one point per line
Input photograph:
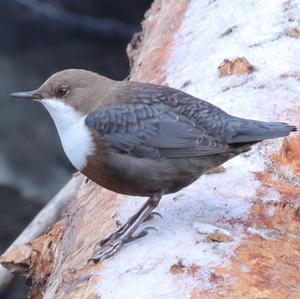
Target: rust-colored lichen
x=215 y=170
x=238 y=66
x=177 y=268
x=290 y=154
x=219 y=237
x=293 y=32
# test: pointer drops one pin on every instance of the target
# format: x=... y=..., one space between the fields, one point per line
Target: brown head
x=81 y=89
x=68 y=96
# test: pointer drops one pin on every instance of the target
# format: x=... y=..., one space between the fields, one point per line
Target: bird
x=142 y=139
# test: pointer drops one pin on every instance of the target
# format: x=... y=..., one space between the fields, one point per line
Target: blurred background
x=38 y=38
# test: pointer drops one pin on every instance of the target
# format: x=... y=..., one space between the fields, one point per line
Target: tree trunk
x=234 y=233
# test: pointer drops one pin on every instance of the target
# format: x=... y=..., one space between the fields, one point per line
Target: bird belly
x=145 y=177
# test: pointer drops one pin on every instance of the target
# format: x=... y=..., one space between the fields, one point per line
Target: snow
x=264 y=233
x=258 y=36
x=218 y=202
x=205 y=228
x=271 y=197
x=144 y=263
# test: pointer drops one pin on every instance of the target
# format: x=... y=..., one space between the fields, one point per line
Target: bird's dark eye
x=61 y=91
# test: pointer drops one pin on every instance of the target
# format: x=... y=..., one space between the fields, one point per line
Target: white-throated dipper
x=142 y=139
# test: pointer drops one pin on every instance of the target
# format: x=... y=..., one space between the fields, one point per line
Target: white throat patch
x=75 y=136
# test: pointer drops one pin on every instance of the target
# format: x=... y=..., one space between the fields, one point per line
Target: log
x=234 y=233
x=42 y=222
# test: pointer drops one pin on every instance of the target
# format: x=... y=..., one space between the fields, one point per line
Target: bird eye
x=61 y=91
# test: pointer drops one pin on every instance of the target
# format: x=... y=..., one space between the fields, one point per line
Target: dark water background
x=33 y=45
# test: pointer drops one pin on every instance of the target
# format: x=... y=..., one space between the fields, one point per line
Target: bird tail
x=251 y=131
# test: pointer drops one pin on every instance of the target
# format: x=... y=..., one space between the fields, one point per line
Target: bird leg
x=113 y=243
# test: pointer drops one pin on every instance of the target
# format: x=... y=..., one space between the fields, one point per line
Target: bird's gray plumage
x=153 y=132
x=163 y=122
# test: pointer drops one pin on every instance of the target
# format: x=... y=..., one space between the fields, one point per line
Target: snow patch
x=267 y=234
x=259 y=34
x=206 y=228
x=272 y=196
x=126 y=275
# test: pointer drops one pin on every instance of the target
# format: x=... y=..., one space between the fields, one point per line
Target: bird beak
x=32 y=95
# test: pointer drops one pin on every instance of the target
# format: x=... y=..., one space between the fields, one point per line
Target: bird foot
x=113 y=245
x=115 y=235
x=108 y=250
x=126 y=233
x=122 y=229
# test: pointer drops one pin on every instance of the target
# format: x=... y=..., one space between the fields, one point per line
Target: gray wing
x=148 y=131
x=216 y=122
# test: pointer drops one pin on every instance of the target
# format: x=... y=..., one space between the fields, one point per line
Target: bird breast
x=75 y=136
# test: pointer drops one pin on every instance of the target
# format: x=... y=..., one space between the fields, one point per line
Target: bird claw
x=152 y=215
x=126 y=233
x=108 y=250
x=118 y=233
x=119 y=224
x=112 y=246
x=121 y=230
x=141 y=234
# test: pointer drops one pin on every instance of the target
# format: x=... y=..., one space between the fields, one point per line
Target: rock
x=293 y=32
x=238 y=66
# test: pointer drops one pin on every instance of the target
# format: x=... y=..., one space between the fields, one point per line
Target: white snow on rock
x=142 y=269
x=259 y=35
x=264 y=233
x=206 y=228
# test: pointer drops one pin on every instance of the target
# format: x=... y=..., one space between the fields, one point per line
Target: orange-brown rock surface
x=238 y=66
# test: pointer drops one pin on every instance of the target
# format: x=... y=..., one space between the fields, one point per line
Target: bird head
x=80 y=89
